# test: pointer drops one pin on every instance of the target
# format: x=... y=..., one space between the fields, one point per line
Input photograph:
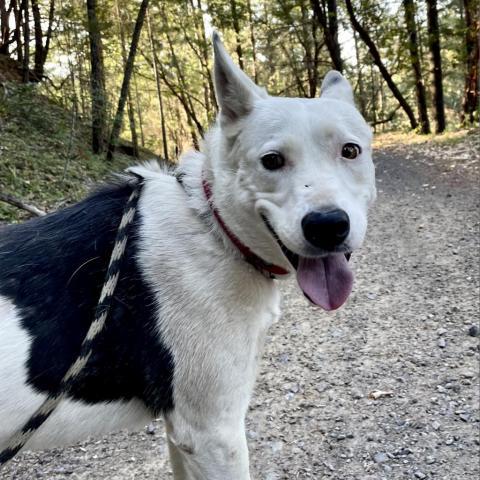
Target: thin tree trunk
x=383 y=101
x=68 y=42
x=236 y=27
x=298 y=78
x=252 y=40
x=333 y=34
x=18 y=14
x=326 y=16
x=4 y=27
x=409 y=7
x=472 y=50
x=97 y=80
x=361 y=92
x=182 y=94
x=41 y=50
x=378 y=61
x=37 y=32
x=73 y=122
x=48 y=36
x=309 y=52
x=26 y=43
x=130 y=109
x=131 y=121
x=434 y=44
x=209 y=92
x=186 y=104
x=117 y=122
x=373 y=96
x=159 y=89
x=139 y=111
x=79 y=63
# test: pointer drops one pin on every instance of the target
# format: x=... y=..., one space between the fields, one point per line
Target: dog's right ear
x=234 y=90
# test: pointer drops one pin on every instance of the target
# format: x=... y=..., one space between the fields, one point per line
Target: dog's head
x=293 y=178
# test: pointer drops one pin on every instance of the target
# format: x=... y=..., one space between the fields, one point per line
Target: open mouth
x=292 y=257
x=326 y=281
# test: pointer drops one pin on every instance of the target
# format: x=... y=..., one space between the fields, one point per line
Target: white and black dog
x=281 y=185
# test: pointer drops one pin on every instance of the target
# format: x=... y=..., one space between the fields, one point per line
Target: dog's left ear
x=234 y=90
x=337 y=87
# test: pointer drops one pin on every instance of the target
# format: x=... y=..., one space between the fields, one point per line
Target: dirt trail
x=407 y=329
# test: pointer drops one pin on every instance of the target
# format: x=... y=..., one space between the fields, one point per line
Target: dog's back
x=51 y=273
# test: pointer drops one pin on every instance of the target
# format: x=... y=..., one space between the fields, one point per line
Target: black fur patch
x=53 y=269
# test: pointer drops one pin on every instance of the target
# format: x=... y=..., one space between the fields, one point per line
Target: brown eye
x=273 y=161
x=351 y=151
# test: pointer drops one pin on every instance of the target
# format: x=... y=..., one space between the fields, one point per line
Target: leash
x=21 y=437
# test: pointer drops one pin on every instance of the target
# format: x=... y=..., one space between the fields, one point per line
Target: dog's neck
x=196 y=177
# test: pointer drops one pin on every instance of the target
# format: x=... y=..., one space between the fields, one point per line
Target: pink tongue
x=326 y=281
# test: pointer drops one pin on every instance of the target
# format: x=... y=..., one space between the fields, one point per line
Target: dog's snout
x=326 y=229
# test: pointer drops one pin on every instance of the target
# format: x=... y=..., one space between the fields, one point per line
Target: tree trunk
x=361 y=92
x=409 y=8
x=236 y=27
x=182 y=93
x=252 y=40
x=434 y=44
x=373 y=96
x=472 y=50
x=130 y=109
x=202 y=37
x=307 y=43
x=131 y=122
x=333 y=35
x=26 y=43
x=18 y=14
x=4 y=27
x=326 y=16
x=117 y=122
x=48 y=36
x=37 y=31
x=159 y=90
x=362 y=32
x=139 y=111
x=97 y=80
x=41 y=50
x=79 y=62
x=71 y=68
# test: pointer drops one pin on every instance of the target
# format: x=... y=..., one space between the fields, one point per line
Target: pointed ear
x=337 y=87
x=234 y=90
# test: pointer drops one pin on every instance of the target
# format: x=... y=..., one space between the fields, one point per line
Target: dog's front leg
x=215 y=449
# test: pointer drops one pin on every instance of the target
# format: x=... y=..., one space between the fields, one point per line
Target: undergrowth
x=41 y=161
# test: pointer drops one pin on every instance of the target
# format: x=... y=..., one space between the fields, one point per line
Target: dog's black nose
x=326 y=229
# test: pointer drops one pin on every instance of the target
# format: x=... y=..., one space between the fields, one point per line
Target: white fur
x=214 y=308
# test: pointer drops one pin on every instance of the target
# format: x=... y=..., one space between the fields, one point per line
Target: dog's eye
x=351 y=151
x=273 y=161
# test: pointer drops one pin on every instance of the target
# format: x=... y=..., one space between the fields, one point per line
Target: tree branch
x=16 y=202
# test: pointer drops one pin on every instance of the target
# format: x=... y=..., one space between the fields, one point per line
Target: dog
x=281 y=187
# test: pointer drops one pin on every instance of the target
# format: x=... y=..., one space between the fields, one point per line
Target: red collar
x=268 y=269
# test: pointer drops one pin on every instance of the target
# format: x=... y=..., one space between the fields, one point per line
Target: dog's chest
x=217 y=345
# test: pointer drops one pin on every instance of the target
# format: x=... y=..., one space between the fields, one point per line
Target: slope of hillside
x=45 y=158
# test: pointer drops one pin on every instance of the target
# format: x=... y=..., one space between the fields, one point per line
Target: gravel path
x=408 y=330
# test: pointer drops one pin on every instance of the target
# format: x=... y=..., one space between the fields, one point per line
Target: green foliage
x=40 y=161
x=278 y=42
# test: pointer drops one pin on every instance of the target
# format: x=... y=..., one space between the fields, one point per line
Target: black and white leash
x=21 y=437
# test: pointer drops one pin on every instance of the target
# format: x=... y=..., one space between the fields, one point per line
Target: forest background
x=140 y=71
